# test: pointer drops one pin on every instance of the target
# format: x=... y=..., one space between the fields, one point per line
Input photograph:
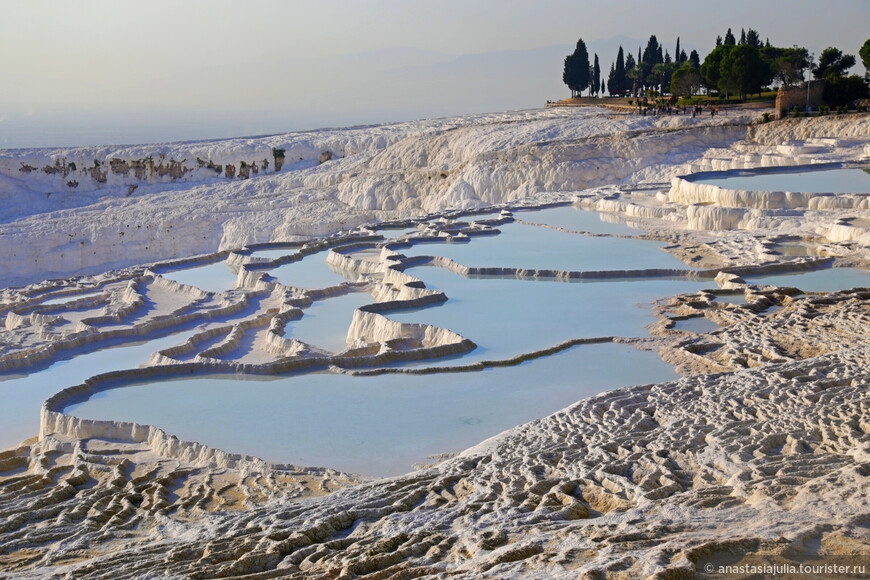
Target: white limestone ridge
x=744 y=455
x=138 y=213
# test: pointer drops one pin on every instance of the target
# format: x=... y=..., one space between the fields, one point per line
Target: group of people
x=697 y=110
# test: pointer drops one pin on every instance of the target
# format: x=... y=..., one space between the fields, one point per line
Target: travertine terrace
x=760 y=448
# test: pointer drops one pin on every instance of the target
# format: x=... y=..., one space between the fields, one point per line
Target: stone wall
x=787 y=97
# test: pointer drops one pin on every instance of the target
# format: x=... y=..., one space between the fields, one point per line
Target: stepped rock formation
x=760 y=450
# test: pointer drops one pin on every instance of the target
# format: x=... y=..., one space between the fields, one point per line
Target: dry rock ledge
x=761 y=449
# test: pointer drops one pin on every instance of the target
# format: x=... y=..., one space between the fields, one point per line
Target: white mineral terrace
x=409 y=256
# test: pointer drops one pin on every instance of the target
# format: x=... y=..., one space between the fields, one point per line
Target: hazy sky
x=117 y=71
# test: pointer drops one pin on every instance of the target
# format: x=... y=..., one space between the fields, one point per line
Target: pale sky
x=117 y=71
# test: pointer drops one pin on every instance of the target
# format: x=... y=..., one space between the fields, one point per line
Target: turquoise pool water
x=216 y=277
x=23 y=394
x=734 y=299
x=325 y=323
x=696 y=325
x=506 y=316
x=825 y=280
x=273 y=253
x=812 y=181
x=73 y=298
x=312 y=271
x=392 y=233
x=572 y=218
x=381 y=425
x=526 y=246
x=797 y=249
x=378 y=425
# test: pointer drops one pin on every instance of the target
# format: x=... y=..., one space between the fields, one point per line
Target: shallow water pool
x=312 y=271
x=532 y=247
x=216 y=277
x=71 y=298
x=575 y=219
x=381 y=425
x=797 y=249
x=732 y=299
x=378 y=425
x=325 y=323
x=273 y=253
x=507 y=316
x=825 y=280
x=698 y=325
x=812 y=181
x=23 y=394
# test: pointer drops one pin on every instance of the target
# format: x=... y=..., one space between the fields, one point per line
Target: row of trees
x=734 y=67
x=579 y=75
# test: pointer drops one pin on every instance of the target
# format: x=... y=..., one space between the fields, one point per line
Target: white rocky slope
x=650 y=481
x=145 y=203
x=768 y=456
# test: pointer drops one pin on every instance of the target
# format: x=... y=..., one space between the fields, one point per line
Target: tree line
x=734 y=68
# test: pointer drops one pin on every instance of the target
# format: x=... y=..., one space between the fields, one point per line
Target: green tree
x=753 y=39
x=864 y=53
x=743 y=71
x=575 y=73
x=710 y=69
x=661 y=72
x=569 y=77
x=841 y=90
x=636 y=76
x=611 y=80
x=787 y=65
x=652 y=55
x=596 y=74
x=628 y=81
x=695 y=60
x=729 y=39
x=620 y=80
x=790 y=66
x=833 y=62
x=670 y=67
x=685 y=81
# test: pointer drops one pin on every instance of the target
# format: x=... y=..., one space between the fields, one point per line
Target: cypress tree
x=677 y=51
x=596 y=74
x=619 y=76
x=582 y=57
x=611 y=79
x=753 y=39
x=568 y=74
x=864 y=53
x=576 y=71
x=630 y=65
x=729 y=39
x=651 y=52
